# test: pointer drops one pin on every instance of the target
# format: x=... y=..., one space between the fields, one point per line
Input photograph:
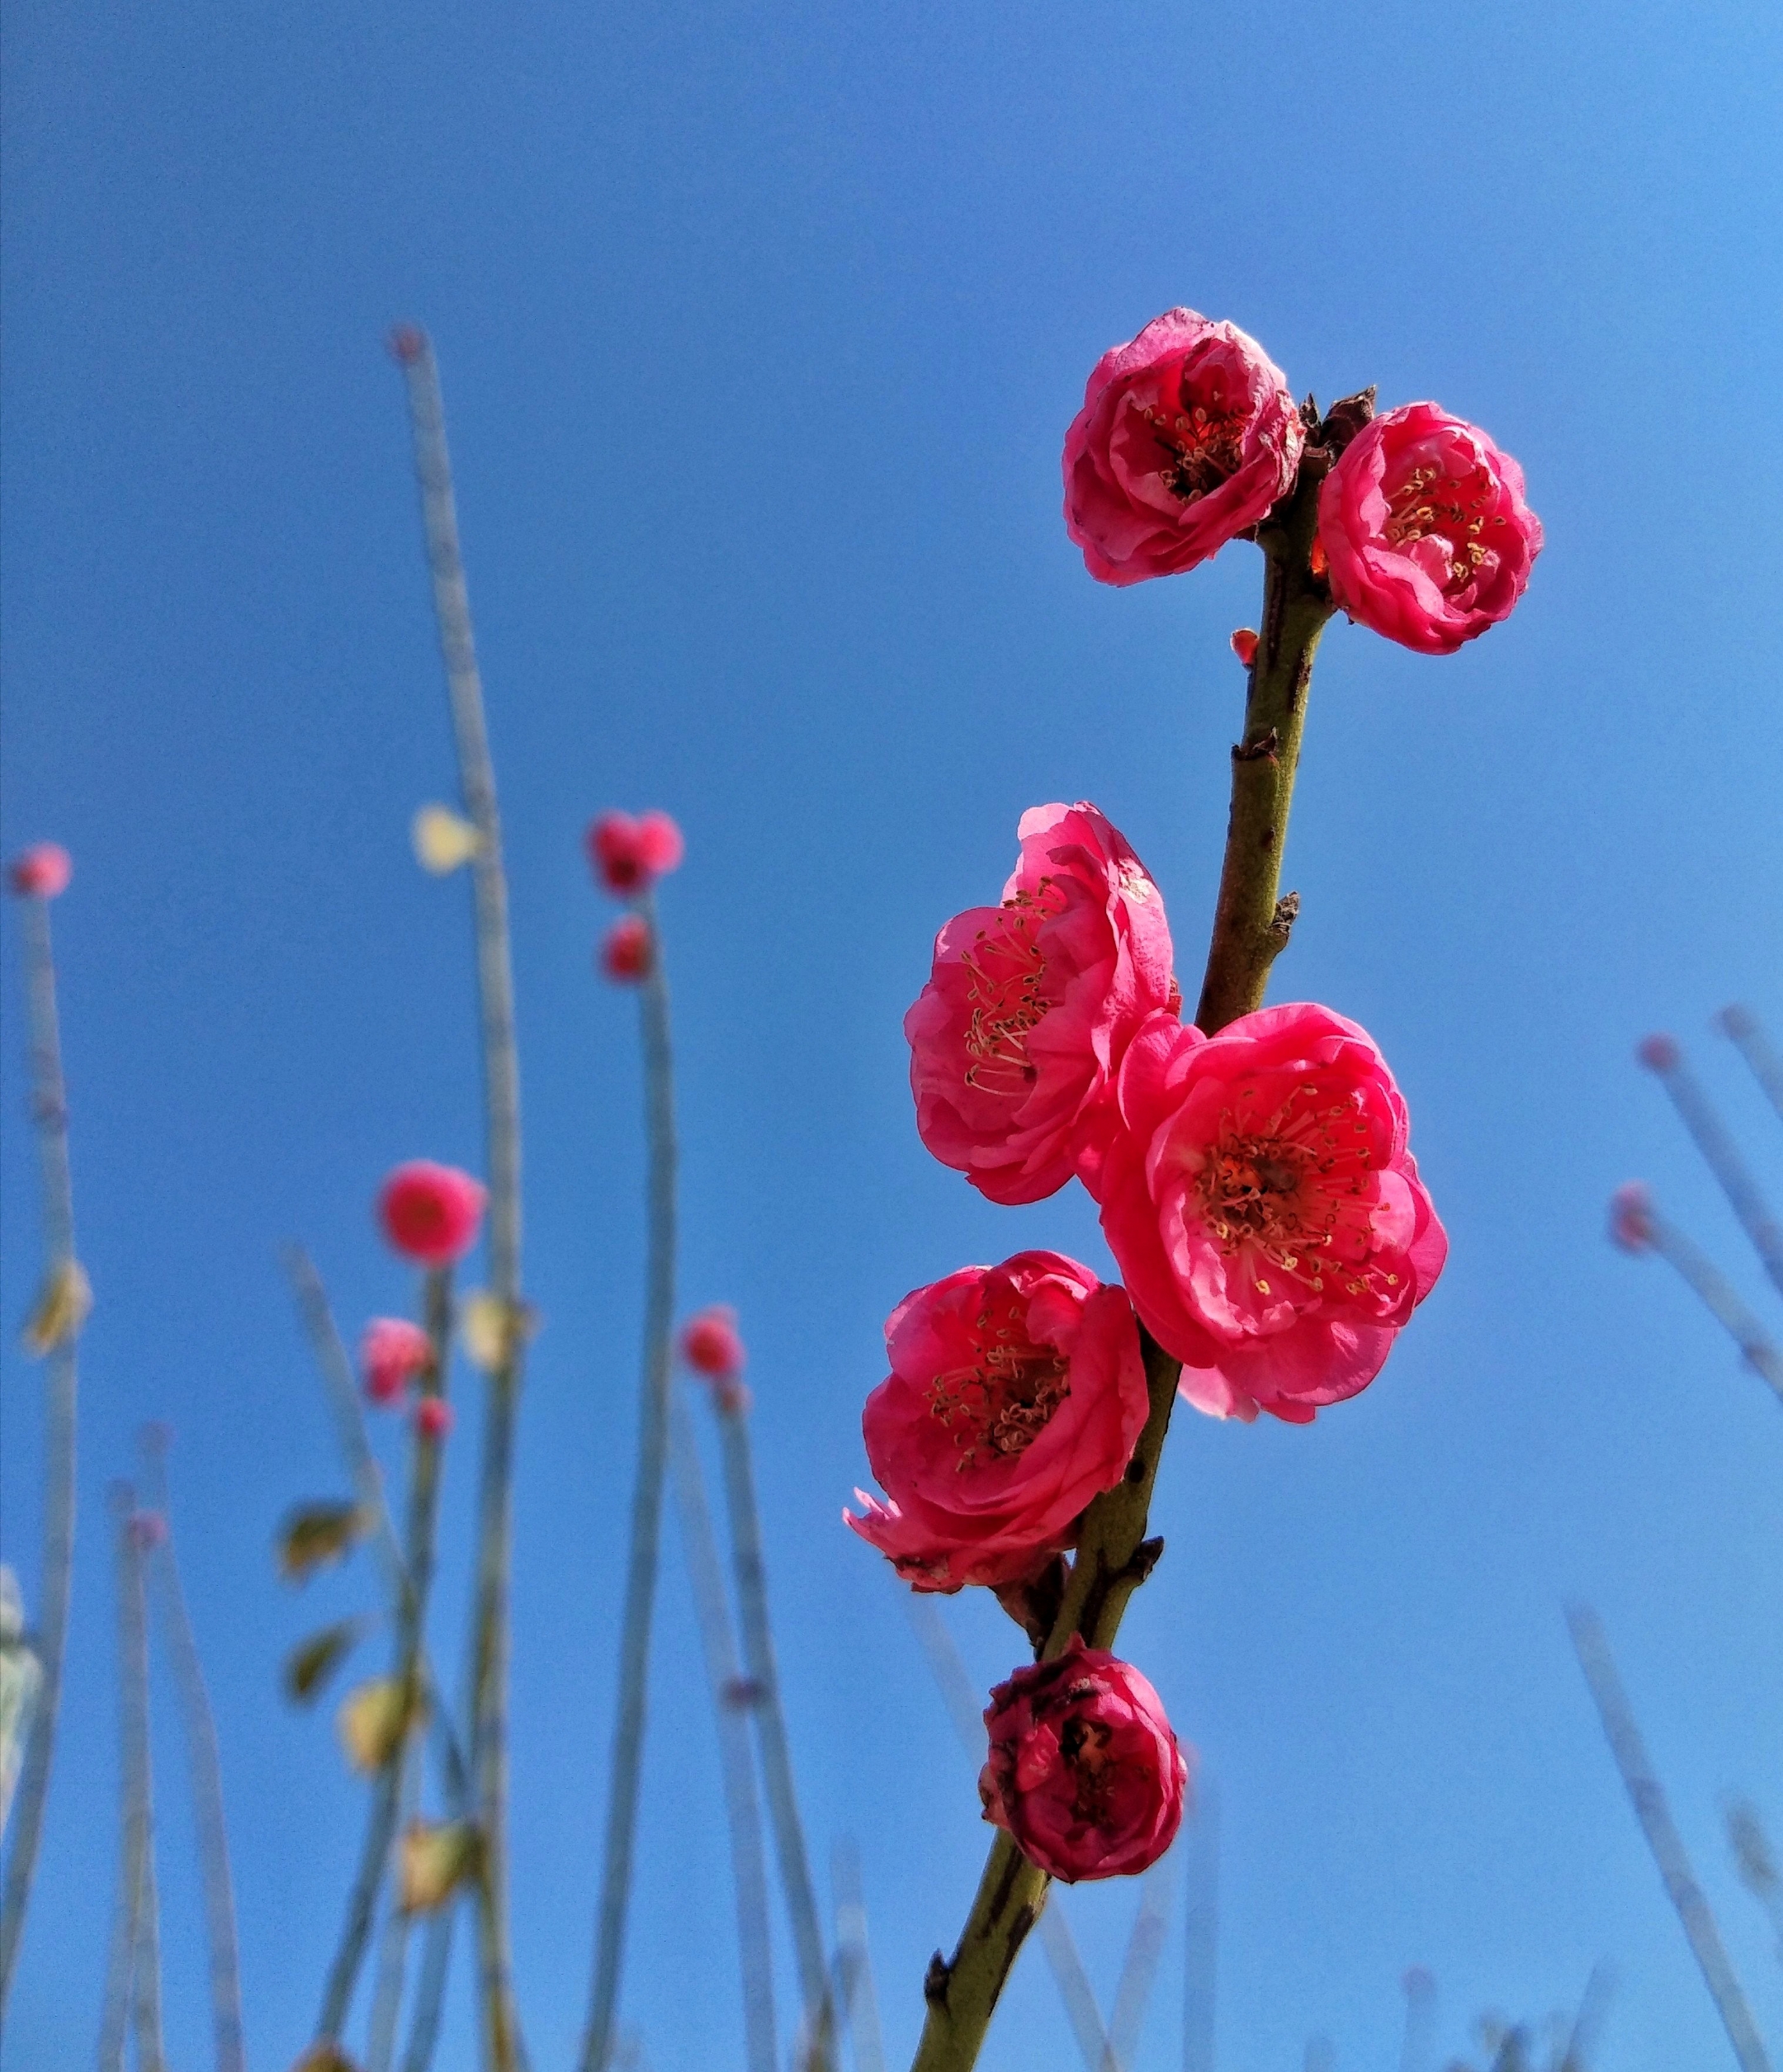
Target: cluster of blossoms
x=1256 y=1185
x=628 y=855
x=1188 y=437
x=431 y=1214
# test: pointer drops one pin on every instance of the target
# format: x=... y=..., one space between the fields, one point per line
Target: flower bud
x=1631 y=1216
x=1084 y=1772
x=1659 y=1053
x=434 y=1418
x=625 y=954
x=1244 y=645
x=629 y=855
x=711 y=1344
x=392 y=1352
x=40 y=872
x=431 y=1213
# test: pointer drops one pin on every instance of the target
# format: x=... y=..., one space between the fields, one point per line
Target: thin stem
x=1747 y=1034
x=751 y=1569
x=1133 y=1989
x=49 y=1111
x=205 y=1762
x=598 y=2038
x=501 y=2049
x=1719 y=1297
x=1252 y=924
x=1593 y=1648
x=393 y=1940
x=731 y=1701
x=132 y=1688
x=858 y=1994
x=1201 y=1934
x=430 y=1990
x=337 y=1372
x=380 y=1819
x=1722 y=1157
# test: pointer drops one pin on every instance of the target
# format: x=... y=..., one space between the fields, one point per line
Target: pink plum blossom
x=1084 y=1771
x=391 y=1353
x=1426 y=534
x=40 y=872
x=625 y=952
x=1188 y=435
x=431 y=1213
x=1017 y=1394
x=1267 y=1215
x=434 y=1418
x=629 y=855
x=1029 y=1007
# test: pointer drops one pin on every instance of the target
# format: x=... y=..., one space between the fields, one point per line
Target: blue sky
x=760 y=326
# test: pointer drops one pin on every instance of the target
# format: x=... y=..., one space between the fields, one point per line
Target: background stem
x=49 y=1111
x=646 y=1508
x=501 y=1075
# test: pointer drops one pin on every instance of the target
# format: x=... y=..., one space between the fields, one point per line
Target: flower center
x=1201 y=444
x=1007 y=970
x=997 y=1408
x=1431 y=505
x=1084 y=1746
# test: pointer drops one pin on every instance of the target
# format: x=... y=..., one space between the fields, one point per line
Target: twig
x=1747 y=1033
x=856 y=1992
x=1581 y=2039
x=751 y=1570
x=503 y=2050
x=1139 y=1970
x=647 y=1510
x=205 y=1764
x=1756 y=1862
x=961 y=1697
x=1592 y=1649
x=132 y=1688
x=430 y=1991
x=1720 y=1154
x=337 y=1372
x=393 y=1938
x=380 y=1818
x=1719 y=1297
x=49 y=1111
x=731 y=1698
x=1201 y=1932
x=1420 y=2020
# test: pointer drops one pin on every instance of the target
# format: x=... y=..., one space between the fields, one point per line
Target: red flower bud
x=434 y=1418
x=628 y=855
x=711 y=1344
x=1659 y=1053
x=1244 y=645
x=1084 y=1771
x=40 y=872
x=625 y=954
x=1631 y=1223
x=431 y=1213
x=391 y=1353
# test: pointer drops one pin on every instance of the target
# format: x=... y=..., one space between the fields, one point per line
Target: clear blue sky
x=761 y=327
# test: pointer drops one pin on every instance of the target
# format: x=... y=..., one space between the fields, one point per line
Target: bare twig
x=1592 y=1647
x=1720 y=1153
x=1139 y=1970
x=393 y=1938
x=856 y=1992
x=751 y=1569
x=1719 y=1297
x=205 y=1764
x=502 y=2047
x=598 y=2037
x=49 y=1110
x=133 y=1971
x=731 y=1700
x=1416 y=2051
x=1201 y=1930
x=1748 y=1035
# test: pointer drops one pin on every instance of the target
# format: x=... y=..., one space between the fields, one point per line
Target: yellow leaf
x=64 y=1304
x=432 y=1861
x=492 y=1329
x=374 y=1720
x=443 y=839
x=317 y=1533
x=312 y=1662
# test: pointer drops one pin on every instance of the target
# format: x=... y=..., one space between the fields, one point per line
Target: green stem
x=381 y=1820
x=1251 y=923
x=48 y=1107
x=490 y=1613
x=646 y=1511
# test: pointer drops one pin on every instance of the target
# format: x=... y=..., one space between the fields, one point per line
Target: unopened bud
x=1659 y=1053
x=1244 y=645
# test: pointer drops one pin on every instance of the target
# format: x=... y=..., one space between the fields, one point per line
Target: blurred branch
x=205 y=1764
x=597 y=2040
x=1719 y=1297
x=1593 y=1648
x=1201 y=1932
x=393 y=1939
x=1747 y=1033
x=503 y=2050
x=731 y=1699
x=61 y=1270
x=1720 y=1154
x=1133 y=1991
x=133 y=1971
x=751 y=1569
x=856 y=1992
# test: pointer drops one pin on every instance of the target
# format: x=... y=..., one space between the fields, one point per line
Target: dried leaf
x=311 y=1663
x=64 y=1304
x=317 y=1533
x=443 y=839
x=374 y=1718
x=432 y=1861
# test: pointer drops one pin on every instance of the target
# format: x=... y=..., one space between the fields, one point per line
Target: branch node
x=934 y=1984
x=1281 y=925
x=1262 y=750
